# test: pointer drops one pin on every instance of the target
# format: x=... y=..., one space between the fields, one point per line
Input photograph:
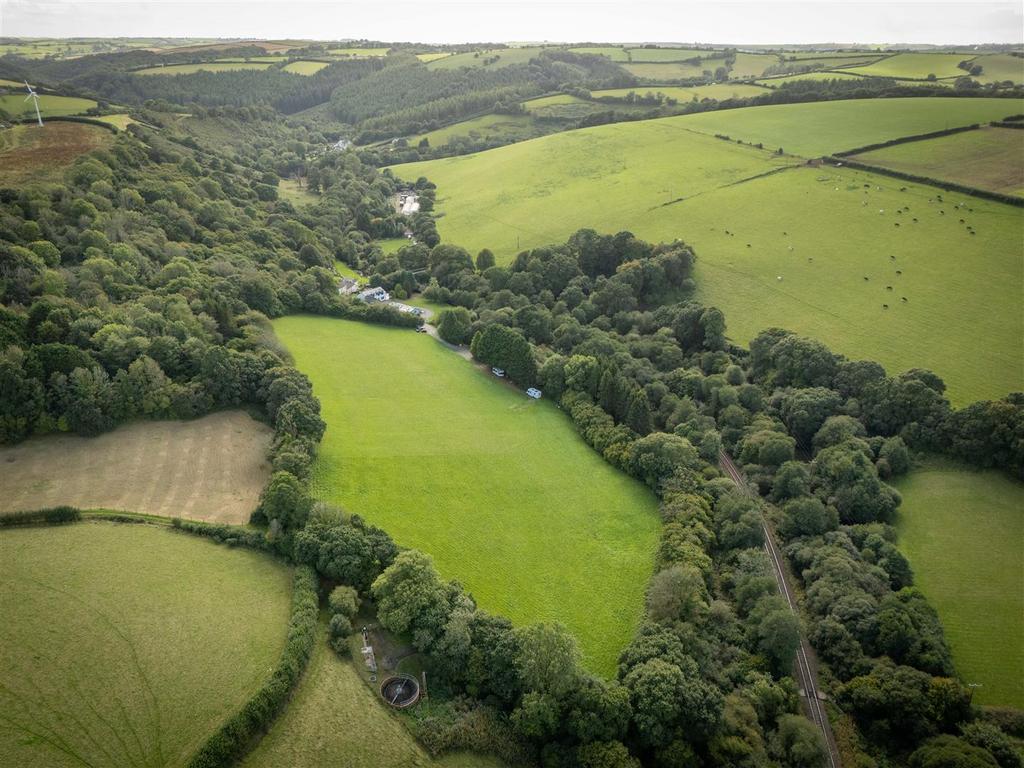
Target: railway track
x=806 y=664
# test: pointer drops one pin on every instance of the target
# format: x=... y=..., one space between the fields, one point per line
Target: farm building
x=408 y=203
x=348 y=286
x=374 y=294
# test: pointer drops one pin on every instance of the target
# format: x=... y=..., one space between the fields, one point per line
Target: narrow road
x=806 y=665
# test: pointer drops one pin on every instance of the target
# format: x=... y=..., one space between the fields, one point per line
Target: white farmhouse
x=374 y=294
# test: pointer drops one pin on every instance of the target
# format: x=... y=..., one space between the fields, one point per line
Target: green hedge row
x=231 y=535
x=949 y=186
x=73 y=119
x=51 y=516
x=236 y=736
x=907 y=140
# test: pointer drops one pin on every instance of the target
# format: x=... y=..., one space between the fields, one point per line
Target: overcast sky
x=746 y=23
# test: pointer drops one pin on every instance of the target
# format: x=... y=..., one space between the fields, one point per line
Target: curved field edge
x=963 y=531
x=129 y=644
x=875 y=267
x=498 y=488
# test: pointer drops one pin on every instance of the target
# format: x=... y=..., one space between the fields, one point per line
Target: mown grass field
x=915 y=66
x=129 y=644
x=775 y=82
x=29 y=153
x=498 y=488
x=305 y=67
x=961 y=318
x=335 y=719
x=963 y=532
x=511 y=127
x=718 y=91
x=983 y=158
x=426 y=58
x=15 y=105
x=211 y=66
x=213 y=468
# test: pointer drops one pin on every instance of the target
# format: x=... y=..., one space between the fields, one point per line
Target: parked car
x=421 y=329
x=499 y=372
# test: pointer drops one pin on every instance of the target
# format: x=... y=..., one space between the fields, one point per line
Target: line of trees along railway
x=140 y=288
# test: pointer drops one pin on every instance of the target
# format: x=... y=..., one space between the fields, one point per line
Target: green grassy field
x=289 y=189
x=838 y=60
x=506 y=57
x=775 y=82
x=305 y=67
x=963 y=532
x=428 y=57
x=961 y=318
x=121 y=121
x=49 y=106
x=359 y=52
x=751 y=64
x=129 y=644
x=392 y=244
x=718 y=91
x=498 y=488
x=615 y=53
x=823 y=127
x=915 y=65
x=212 y=66
x=335 y=719
x=677 y=70
x=999 y=67
x=511 y=127
x=981 y=158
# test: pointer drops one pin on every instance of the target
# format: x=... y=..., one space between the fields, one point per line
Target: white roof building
x=375 y=294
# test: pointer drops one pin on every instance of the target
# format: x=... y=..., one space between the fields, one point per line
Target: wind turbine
x=35 y=100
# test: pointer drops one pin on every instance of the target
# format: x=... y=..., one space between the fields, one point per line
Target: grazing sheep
x=791 y=247
x=778 y=277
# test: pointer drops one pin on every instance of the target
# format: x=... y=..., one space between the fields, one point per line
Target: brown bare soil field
x=31 y=153
x=212 y=469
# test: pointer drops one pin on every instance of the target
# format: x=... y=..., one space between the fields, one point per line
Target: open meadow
x=128 y=645
x=495 y=58
x=963 y=532
x=820 y=128
x=498 y=488
x=15 y=105
x=717 y=91
x=305 y=67
x=212 y=469
x=802 y=241
x=334 y=718
x=30 y=153
x=210 y=66
x=981 y=159
x=916 y=66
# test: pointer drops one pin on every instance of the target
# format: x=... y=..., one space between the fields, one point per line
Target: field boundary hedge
x=48 y=516
x=907 y=140
x=72 y=119
x=949 y=186
x=239 y=734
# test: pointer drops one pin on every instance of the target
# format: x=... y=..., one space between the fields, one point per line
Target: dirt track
x=211 y=468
